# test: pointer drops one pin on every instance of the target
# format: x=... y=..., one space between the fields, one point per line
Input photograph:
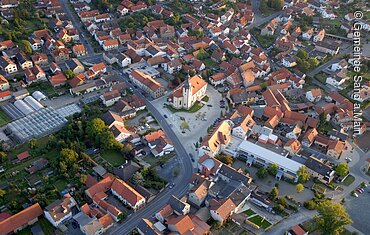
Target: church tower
x=187 y=92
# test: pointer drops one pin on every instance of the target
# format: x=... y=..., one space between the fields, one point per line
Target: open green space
x=193 y=109
x=205 y=99
x=155 y=161
x=349 y=180
x=61 y=185
x=261 y=222
x=209 y=63
x=42 y=86
x=249 y=212
x=46 y=226
x=113 y=157
x=3 y=118
x=321 y=77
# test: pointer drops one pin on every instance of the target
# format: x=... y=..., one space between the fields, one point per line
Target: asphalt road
x=181 y=182
x=77 y=23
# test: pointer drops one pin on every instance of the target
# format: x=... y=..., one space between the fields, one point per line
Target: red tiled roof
x=20 y=219
x=23 y=155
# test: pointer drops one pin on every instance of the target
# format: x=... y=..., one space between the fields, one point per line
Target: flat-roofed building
x=259 y=155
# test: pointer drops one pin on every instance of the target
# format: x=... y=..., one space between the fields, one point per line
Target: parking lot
x=359 y=208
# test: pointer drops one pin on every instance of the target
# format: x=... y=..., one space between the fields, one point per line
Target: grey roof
x=23 y=107
x=240 y=194
x=71 y=64
x=146 y=228
x=339 y=135
x=21 y=58
x=232 y=174
x=318 y=166
x=176 y=204
x=126 y=171
x=110 y=117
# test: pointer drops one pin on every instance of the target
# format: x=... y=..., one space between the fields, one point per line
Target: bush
x=310 y=205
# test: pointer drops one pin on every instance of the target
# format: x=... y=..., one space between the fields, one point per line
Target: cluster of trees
x=274 y=4
x=137 y=20
x=202 y=54
x=198 y=33
x=19 y=28
x=304 y=62
x=226 y=159
x=342 y=169
x=263 y=172
x=148 y=178
x=69 y=74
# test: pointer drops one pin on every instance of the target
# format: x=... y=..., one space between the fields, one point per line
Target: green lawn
x=209 y=63
x=249 y=212
x=258 y=220
x=46 y=227
x=193 y=109
x=113 y=157
x=3 y=118
x=44 y=86
x=205 y=99
x=61 y=185
x=155 y=161
x=349 y=180
x=321 y=77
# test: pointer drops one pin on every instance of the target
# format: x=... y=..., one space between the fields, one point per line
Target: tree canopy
x=332 y=218
x=342 y=169
x=303 y=175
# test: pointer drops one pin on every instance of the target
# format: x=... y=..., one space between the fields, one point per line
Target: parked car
x=165 y=116
x=209 y=105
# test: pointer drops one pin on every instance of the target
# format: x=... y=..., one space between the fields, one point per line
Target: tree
x=342 y=169
x=83 y=178
x=3 y=156
x=25 y=47
x=302 y=54
x=138 y=178
x=202 y=54
x=95 y=127
x=69 y=74
x=33 y=144
x=303 y=65
x=274 y=193
x=68 y=156
x=121 y=216
x=313 y=62
x=303 y=175
x=273 y=169
x=2 y=193
x=227 y=159
x=299 y=187
x=332 y=218
x=262 y=173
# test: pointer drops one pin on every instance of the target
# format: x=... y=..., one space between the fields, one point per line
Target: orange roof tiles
x=20 y=219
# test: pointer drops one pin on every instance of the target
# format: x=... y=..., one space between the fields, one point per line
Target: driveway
x=198 y=127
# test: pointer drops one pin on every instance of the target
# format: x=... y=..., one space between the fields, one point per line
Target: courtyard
x=189 y=127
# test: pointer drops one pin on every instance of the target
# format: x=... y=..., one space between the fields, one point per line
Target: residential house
x=36 y=43
x=58 y=79
x=297 y=230
x=40 y=59
x=319 y=36
x=293 y=146
x=23 y=61
x=309 y=137
x=111 y=97
x=60 y=211
x=145 y=227
x=318 y=169
x=173 y=66
x=8 y=65
x=75 y=65
x=34 y=74
x=328 y=48
x=147 y=83
x=4 y=84
x=110 y=44
x=159 y=143
x=20 y=220
x=289 y=61
x=217 y=140
x=5 y=95
x=314 y=95
x=221 y=210
x=79 y=50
